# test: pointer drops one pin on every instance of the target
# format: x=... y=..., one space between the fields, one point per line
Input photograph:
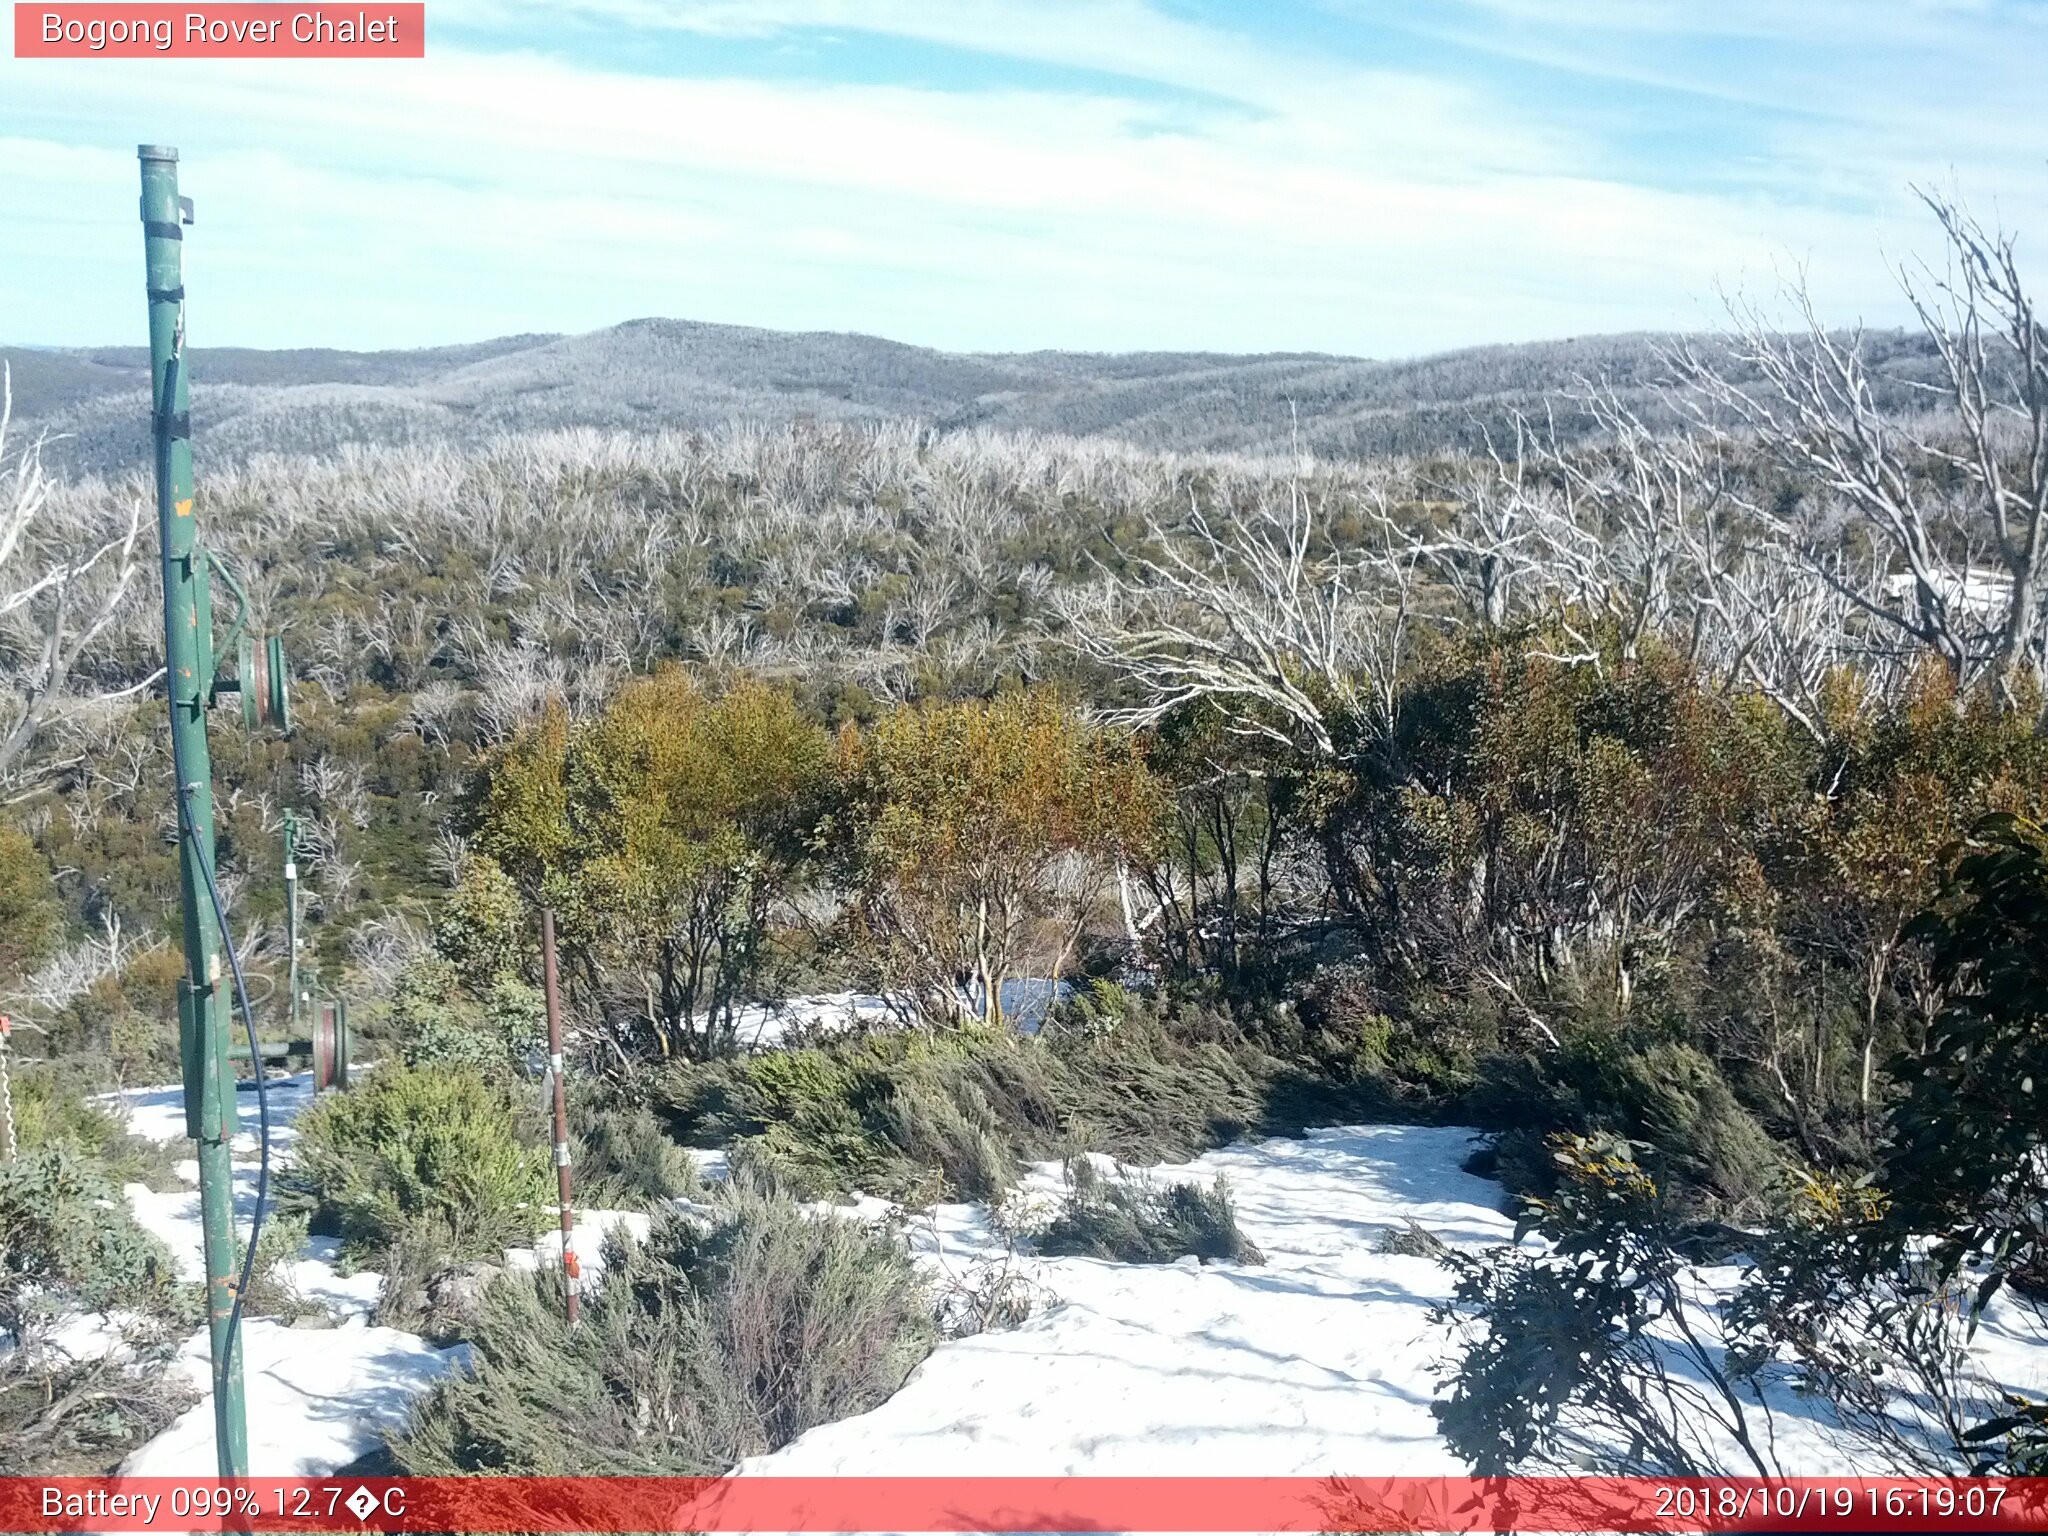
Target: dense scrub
x=924 y=1116
x=431 y=1157
x=704 y=1345
x=68 y=1239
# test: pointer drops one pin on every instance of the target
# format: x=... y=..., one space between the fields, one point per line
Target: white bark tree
x=1255 y=610
x=64 y=581
x=1953 y=500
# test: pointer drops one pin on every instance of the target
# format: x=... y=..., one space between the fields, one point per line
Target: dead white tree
x=1487 y=553
x=1254 y=609
x=1628 y=532
x=1953 y=498
x=61 y=589
x=1657 y=533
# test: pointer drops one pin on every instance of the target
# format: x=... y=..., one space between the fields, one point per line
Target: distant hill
x=649 y=373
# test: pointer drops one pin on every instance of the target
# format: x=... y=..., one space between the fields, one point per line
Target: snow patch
x=318 y=1398
x=1322 y=1360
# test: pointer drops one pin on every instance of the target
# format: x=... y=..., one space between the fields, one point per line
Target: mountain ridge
x=659 y=372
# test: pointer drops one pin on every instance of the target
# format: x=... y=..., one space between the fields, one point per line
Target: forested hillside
x=655 y=374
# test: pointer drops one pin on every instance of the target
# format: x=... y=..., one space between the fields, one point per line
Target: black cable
x=185 y=819
x=227 y=942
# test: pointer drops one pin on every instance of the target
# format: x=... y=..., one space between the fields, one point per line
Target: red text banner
x=947 y=1504
x=371 y=30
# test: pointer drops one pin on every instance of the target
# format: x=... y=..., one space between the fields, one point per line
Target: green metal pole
x=188 y=658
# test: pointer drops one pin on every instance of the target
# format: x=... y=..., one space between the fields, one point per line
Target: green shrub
x=68 y=1238
x=438 y=1023
x=50 y=1109
x=1703 y=1141
x=1137 y=1221
x=920 y=1116
x=626 y=1159
x=31 y=916
x=420 y=1148
x=1674 y=1097
x=69 y=1242
x=47 y=1110
x=271 y=1292
x=699 y=1347
x=901 y=1114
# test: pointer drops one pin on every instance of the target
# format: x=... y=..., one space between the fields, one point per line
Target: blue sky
x=1380 y=177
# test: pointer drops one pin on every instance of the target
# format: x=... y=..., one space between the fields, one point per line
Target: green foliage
x=482 y=926
x=1577 y=809
x=920 y=1116
x=954 y=818
x=1136 y=1221
x=696 y=1349
x=31 y=916
x=1231 y=815
x=889 y=1114
x=51 y=1110
x=1561 y=1355
x=421 y=1149
x=67 y=1237
x=664 y=830
x=1967 y=1161
x=626 y=1159
x=437 y=1022
x=1603 y=1353
x=1664 y=1094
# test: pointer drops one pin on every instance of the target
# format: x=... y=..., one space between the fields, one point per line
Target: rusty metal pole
x=571 y=1270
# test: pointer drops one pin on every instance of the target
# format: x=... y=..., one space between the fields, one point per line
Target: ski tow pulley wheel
x=330 y=1046
x=263 y=683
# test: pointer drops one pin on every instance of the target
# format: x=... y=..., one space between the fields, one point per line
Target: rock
x=453 y=1295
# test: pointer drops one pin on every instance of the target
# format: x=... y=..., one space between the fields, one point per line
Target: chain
x=7 y=1144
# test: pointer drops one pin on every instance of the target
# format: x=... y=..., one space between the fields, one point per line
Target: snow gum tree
x=664 y=830
x=976 y=836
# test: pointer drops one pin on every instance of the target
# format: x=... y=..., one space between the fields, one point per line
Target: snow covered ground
x=319 y=1397
x=1321 y=1361
x=758 y=1026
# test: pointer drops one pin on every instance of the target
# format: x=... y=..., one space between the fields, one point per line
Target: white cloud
x=1353 y=208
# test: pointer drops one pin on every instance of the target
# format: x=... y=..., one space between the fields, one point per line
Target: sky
x=1372 y=177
